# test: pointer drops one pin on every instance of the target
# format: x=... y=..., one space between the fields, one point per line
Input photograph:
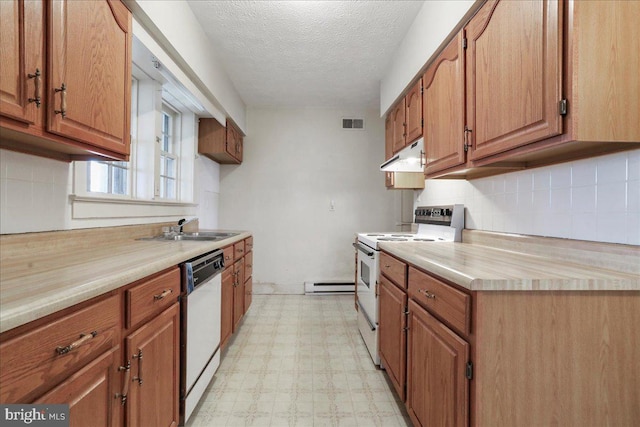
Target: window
x=169 y=150
x=108 y=177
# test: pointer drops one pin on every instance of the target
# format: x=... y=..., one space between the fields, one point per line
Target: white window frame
x=175 y=142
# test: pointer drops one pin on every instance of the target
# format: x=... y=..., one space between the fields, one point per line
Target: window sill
x=85 y=207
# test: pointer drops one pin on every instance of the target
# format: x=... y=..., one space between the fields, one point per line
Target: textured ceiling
x=306 y=53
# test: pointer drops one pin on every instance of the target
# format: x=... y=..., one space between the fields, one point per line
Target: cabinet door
x=238 y=293
x=226 y=324
x=399 y=126
x=437 y=387
x=89 y=78
x=413 y=119
x=392 y=333
x=21 y=80
x=240 y=146
x=90 y=393
x=444 y=109
x=154 y=352
x=514 y=74
x=248 y=293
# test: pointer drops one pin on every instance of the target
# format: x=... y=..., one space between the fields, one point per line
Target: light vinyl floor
x=299 y=361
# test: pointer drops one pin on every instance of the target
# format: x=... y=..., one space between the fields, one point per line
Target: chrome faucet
x=184 y=222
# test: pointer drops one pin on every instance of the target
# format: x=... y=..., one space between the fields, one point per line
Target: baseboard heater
x=328 y=288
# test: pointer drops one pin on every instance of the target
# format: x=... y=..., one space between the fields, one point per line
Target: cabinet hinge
x=469 y=371
x=563 y=107
x=464 y=43
x=422 y=122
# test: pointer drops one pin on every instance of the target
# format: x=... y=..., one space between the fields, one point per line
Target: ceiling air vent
x=353 y=123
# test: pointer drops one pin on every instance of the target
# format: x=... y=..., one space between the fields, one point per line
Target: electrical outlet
x=332 y=206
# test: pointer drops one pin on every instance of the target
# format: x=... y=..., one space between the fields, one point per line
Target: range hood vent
x=409 y=159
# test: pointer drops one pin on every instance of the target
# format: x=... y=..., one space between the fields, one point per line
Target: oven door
x=366 y=286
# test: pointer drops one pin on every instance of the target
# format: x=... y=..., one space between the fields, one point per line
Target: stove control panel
x=438 y=215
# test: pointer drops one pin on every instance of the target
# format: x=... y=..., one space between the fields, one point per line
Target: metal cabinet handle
x=139 y=357
x=83 y=339
x=162 y=295
x=467 y=138
x=427 y=293
x=125 y=387
x=38 y=87
x=63 y=100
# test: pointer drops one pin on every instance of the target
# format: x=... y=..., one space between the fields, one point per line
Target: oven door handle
x=364 y=249
x=366 y=316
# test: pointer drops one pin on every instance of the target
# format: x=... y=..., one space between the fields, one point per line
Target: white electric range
x=435 y=224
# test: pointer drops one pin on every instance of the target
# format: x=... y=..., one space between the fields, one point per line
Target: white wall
x=296 y=161
x=595 y=199
x=207 y=192
x=434 y=22
x=34 y=193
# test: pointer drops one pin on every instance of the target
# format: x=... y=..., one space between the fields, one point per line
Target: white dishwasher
x=201 y=315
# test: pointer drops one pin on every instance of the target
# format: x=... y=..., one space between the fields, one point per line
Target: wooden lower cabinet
x=238 y=293
x=86 y=356
x=237 y=286
x=90 y=393
x=392 y=333
x=154 y=353
x=226 y=324
x=437 y=386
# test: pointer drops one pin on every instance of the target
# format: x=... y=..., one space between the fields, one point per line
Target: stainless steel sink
x=202 y=236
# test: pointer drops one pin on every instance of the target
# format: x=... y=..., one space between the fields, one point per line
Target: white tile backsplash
x=612 y=169
x=595 y=199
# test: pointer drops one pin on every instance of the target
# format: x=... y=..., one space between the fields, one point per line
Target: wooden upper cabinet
x=399 y=126
x=21 y=80
x=219 y=143
x=603 y=64
x=413 y=113
x=75 y=105
x=443 y=101
x=514 y=75
x=89 y=78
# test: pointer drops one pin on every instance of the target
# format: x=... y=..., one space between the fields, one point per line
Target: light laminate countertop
x=484 y=268
x=34 y=287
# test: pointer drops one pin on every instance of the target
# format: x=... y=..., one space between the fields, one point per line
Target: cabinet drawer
x=394 y=269
x=248 y=265
x=228 y=256
x=152 y=296
x=453 y=306
x=248 y=244
x=34 y=362
x=238 y=249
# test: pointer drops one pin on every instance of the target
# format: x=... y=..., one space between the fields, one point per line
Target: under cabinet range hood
x=409 y=159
